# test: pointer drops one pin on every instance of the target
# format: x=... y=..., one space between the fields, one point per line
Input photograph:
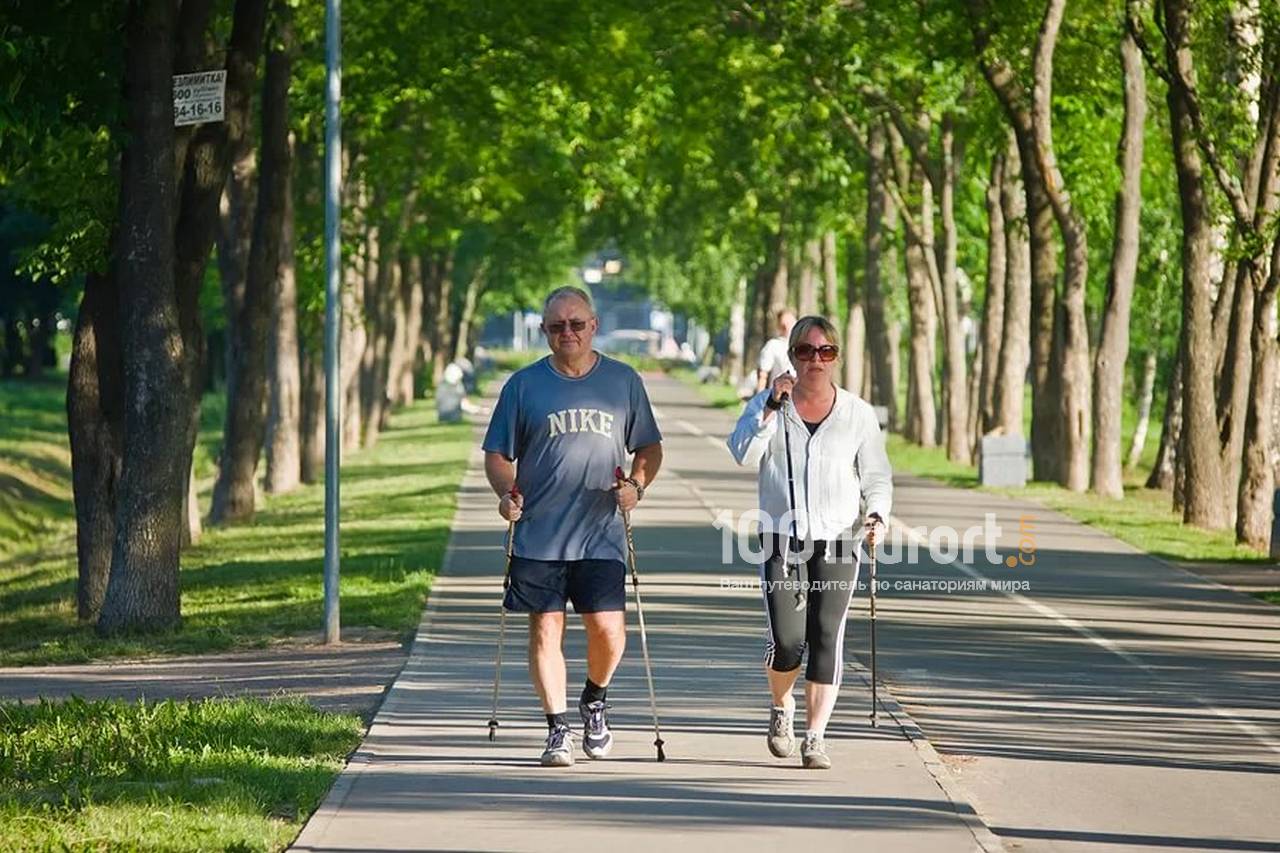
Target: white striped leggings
x=828 y=583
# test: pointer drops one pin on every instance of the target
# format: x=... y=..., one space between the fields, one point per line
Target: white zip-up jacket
x=839 y=471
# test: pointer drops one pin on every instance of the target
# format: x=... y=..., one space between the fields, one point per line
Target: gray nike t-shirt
x=567 y=436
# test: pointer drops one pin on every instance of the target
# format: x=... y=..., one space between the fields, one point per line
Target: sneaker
x=559 y=749
x=597 y=740
x=782 y=738
x=813 y=753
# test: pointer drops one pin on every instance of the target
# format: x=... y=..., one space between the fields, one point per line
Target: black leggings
x=819 y=624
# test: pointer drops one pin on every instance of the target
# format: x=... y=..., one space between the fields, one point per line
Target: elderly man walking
x=561 y=427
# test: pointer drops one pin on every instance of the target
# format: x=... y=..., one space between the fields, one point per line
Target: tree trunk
x=973 y=420
x=922 y=413
x=244 y=434
x=95 y=421
x=1257 y=482
x=470 y=300
x=810 y=268
x=830 y=279
x=1207 y=496
x=142 y=589
x=313 y=413
x=409 y=317
x=779 y=292
x=193 y=527
x=234 y=236
x=1073 y=337
x=1015 y=343
x=1113 y=339
x=953 y=363
x=855 y=333
x=1146 y=393
x=735 y=363
x=1163 y=473
x=443 y=304
x=1046 y=419
x=204 y=158
x=284 y=466
x=881 y=353
x=993 y=304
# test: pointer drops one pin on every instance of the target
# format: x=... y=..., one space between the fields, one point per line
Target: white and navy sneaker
x=597 y=740
x=559 y=749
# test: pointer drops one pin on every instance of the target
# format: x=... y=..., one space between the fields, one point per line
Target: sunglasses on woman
x=558 y=327
x=808 y=352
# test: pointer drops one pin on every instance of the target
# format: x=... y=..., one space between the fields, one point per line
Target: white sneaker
x=782 y=736
x=559 y=749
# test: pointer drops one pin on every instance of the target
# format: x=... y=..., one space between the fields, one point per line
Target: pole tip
x=617 y=473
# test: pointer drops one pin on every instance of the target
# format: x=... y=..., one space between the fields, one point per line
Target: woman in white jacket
x=837 y=468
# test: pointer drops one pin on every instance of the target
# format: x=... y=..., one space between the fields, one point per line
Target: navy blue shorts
x=546 y=586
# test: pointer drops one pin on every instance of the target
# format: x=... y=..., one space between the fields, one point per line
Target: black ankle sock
x=593 y=692
x=557 y=721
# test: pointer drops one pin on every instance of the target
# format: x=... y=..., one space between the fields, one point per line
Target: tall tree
x=1113 y=339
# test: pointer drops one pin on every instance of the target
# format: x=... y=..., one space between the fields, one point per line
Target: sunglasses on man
x=808 y=352
x=558 y=327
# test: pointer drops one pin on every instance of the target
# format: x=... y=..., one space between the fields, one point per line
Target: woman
x=820 y=452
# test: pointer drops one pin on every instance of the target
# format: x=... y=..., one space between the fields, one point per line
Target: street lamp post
x=332 y=311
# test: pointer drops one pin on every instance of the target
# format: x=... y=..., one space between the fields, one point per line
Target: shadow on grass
x=248 y=584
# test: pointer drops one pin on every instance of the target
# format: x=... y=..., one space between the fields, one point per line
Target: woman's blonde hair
x=806 y=324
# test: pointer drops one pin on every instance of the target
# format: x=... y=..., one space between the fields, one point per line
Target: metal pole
x=332 y=312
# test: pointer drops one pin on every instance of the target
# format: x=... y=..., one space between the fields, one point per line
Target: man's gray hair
x=569 y=291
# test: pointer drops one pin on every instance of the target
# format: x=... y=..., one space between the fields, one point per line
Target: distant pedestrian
x=774 y=360
x=560 y=429
x=840 y=478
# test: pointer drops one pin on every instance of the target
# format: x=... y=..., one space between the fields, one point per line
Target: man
x=569 y=420
x=774 y=360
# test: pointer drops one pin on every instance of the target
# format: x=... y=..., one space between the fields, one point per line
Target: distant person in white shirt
x=774 y=360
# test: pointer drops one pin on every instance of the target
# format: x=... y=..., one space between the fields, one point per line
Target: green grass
x=245 y=586
x=1144 y=518
x=35 y=464
x=928 y=462
x=1272 y=596
x=205 y=775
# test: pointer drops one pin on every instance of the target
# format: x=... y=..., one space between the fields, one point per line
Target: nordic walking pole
x=791 y=493
x=644 y=639
x=502 y=622
x=874 y=699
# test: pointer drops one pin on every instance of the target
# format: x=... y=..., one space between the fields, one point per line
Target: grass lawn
x=1144 y=518
x=210 y=775
x=35 y=465
x=242 y=586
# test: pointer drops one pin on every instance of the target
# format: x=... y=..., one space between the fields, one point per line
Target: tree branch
x=1133 y=23
x=1182 y=69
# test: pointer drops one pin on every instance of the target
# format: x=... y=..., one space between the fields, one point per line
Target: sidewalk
x=427 y=777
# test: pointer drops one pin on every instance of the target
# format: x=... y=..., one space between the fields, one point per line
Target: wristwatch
x=636 y=483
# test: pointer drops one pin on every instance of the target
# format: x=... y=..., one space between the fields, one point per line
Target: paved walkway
x=426 y=777
x=1105 y=700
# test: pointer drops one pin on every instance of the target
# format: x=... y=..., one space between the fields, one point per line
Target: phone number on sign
x=198 y=110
